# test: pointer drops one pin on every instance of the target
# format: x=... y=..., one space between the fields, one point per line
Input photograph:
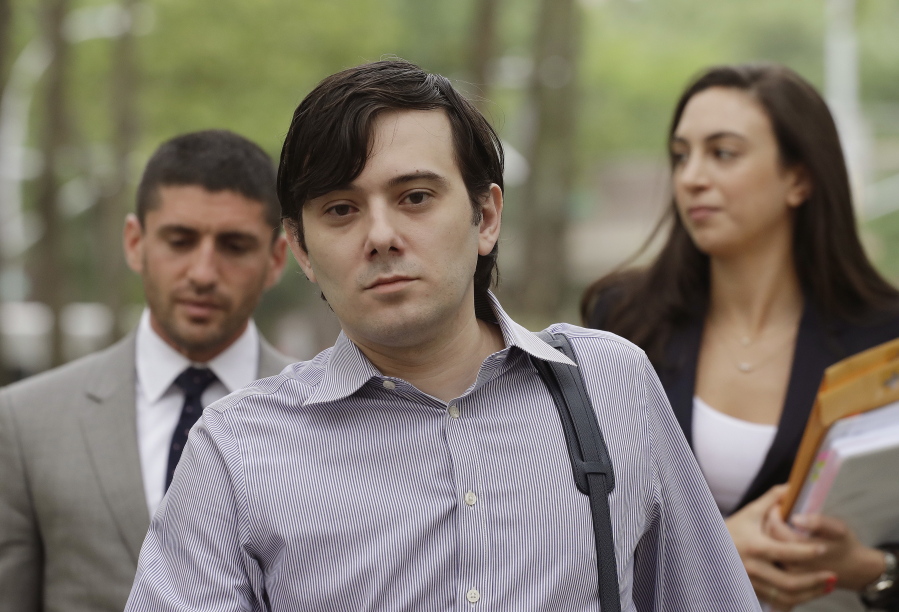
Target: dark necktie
x=193 y=381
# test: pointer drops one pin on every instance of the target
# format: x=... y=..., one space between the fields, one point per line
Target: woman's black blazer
x=819 y=344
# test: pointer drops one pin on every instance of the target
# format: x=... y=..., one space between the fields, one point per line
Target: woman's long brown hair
x=648 y=304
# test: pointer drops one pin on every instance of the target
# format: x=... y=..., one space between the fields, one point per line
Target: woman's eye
x=724 y=154
x=678 y=158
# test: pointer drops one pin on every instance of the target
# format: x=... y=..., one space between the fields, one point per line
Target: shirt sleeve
x=686 y=558
x=20 y=548
x=193 y=557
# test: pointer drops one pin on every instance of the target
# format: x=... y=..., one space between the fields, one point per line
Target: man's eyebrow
x=235 y=234
x=174 y=228
x=424 y=175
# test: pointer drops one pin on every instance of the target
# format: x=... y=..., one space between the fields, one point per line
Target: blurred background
x=581 y=92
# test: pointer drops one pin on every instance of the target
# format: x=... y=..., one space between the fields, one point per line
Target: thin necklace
x=747 y=367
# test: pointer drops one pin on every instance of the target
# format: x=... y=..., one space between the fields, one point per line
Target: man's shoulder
x=597 y=343
x=72 y=376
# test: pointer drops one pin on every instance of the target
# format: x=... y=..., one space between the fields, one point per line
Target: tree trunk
x=5 y=35
x=114 y=202
x=551 y=157
x=483 y=47
x=5 y=48
x=50 y=269
x=5 y=52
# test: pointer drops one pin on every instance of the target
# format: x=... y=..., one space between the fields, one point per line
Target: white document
x=854 y=445
x=856 y=478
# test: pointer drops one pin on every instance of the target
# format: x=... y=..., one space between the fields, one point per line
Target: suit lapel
x=109 y=427
x=271 y=362
x=679 y=379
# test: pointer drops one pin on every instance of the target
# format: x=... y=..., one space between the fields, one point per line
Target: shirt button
x=453 y=411
x=473 y=596
x=389 y=385
x=471 y=499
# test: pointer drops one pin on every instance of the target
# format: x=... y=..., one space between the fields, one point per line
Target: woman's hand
x=855 y=564
x=766 y=558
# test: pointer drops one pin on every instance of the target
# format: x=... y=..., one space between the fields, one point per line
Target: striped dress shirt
x=334 y=488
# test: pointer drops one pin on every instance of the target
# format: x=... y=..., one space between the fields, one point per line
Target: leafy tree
x=245 y=65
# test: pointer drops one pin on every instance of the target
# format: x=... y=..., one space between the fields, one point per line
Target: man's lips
x=389 y=283
x=199 y=308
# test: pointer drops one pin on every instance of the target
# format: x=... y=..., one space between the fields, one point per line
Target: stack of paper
x=848 y=462
x=853 y=416
x=856 y=474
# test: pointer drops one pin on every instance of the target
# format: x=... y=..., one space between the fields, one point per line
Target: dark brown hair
x=328 y=143
x=646 y=305
x=216 y=160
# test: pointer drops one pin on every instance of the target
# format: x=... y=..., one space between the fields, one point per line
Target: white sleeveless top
x=729 y=451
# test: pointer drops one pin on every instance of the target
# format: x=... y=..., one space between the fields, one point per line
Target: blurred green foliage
x=883 y=239
x=244 y=65
x=639 y=55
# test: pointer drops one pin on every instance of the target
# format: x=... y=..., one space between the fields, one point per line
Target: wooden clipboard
x=859 y=383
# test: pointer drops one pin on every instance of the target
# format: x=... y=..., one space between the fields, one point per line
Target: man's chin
x=199 y=338
x=397 y=332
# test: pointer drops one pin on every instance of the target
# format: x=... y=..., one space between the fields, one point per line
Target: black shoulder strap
x=589 y=458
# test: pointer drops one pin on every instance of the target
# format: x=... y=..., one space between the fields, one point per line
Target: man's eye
x=237 y=248
x=179 y=243
x=340 y=210
x=418 y=197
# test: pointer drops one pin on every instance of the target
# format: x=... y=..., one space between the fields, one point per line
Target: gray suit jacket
x=72 y=510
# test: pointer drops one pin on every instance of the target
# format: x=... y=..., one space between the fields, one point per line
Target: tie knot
x=193 y=381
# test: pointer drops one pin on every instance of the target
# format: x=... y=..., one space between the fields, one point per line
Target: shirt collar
x=348 y=369
x=529 y=342
x=158 y=364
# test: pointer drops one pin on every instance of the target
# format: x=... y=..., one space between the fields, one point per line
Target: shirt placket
x=463 y=433
x=471 y=507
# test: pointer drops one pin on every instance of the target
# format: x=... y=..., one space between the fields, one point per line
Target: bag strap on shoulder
x=590 y=459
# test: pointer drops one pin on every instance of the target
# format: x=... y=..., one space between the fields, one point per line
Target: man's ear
x=801 y=187
x=133 y=243
x=299 y=253
x=491 y=219
x=278 y=258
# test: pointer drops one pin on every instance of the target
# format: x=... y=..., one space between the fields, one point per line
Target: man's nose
x=203 y=271
x=383 y=232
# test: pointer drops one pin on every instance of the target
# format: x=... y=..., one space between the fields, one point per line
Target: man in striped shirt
x=419 y=463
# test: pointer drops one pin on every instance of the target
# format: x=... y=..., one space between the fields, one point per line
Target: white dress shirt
x=159 y=400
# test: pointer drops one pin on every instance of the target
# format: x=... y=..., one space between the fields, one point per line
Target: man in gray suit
x=87 y=450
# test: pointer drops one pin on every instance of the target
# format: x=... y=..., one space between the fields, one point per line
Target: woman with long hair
x=761 y=284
